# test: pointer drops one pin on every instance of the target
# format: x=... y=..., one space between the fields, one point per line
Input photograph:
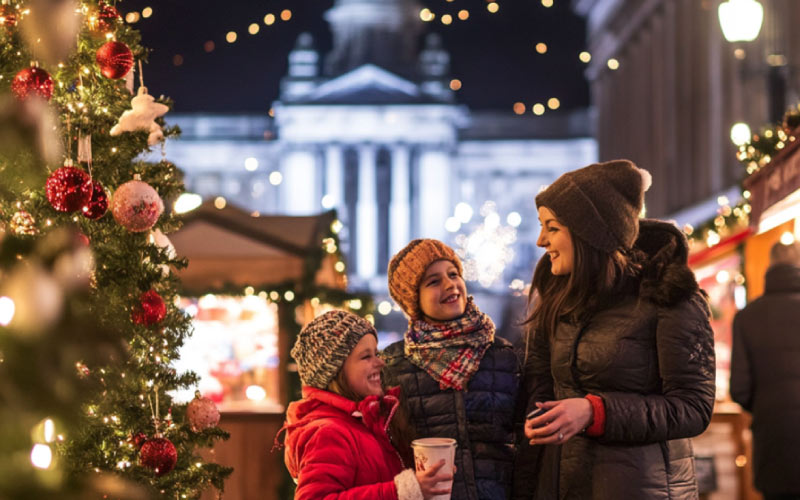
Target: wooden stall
x=237 y=260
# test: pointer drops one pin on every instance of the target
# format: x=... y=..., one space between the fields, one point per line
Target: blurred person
x=339 y=439
x=620 y=356
x=765 y=374
x=459 y=379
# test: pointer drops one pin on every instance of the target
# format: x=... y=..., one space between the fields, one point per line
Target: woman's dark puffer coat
x=480 y=419
x=650 y=357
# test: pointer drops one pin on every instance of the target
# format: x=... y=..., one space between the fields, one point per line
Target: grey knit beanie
x=600 y=203
x=324 y=344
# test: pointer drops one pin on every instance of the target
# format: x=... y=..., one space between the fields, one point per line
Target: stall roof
x=231 y=247
x=774 y=182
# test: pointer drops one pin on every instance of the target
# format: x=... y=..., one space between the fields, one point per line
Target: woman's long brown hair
x=595 y=274
x=400 y=431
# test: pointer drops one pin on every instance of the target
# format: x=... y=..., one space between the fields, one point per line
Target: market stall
x=250 y=284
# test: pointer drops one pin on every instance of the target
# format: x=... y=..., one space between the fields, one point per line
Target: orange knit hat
x=407 y=269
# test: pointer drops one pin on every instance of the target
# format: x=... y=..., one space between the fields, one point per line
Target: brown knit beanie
x=407 y=269
x=324 y=344
x=600 y=203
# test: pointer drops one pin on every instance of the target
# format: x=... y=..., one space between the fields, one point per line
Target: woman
x=621 y=363
x=459 y=380
x=338 y=444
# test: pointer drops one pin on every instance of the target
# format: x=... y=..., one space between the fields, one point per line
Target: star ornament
x=142 y=116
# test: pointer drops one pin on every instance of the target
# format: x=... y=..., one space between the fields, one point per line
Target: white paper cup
x=428 y=452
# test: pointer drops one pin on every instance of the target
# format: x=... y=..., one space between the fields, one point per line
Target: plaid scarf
x=450 y=352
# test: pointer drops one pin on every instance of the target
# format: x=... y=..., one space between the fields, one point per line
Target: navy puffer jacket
x=480 y=419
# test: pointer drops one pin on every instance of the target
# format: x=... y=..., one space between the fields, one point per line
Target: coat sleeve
x=537 y=385
x=328 y=469
x=741 y=381
x=685 y=344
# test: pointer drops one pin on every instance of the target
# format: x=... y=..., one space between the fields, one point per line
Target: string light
x=538 y=109
x=541 y=48
x=286 y=14
x=463 y=14
x=519 y=108
x=269 y=19
x=231 y=37
x=493 y=7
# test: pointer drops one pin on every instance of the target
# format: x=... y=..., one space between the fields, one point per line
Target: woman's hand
x=427 y=480
x=561 y=420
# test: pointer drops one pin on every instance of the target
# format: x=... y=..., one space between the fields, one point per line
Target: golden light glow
x=132 y=17
x=231 y=37
x=538 y=109
x=220 y=202
x=339 y=266
x=209 y=46
x=253 y=28
x=463 y=14
x=547 y=3
x=286 y=14
x=269 y=19
x=493 y=7
x=426 y=15
x=613 y=64
x=519 y=108
x=447 y=19
x=455 y=84
x=147 y=12
x=585 y=57
x=553 y=103
x=541 y=47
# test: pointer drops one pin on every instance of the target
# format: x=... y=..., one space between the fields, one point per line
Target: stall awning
x=230 y=247
x=774 y=182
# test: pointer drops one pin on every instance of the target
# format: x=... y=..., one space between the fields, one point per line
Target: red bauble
x=68 y=189
x=159 y=454
x=34 y=81
x=202 y=414
x=136 y=206
x=115 y=59
x=8 y=16
x=107 y=17
x=150 y=310
x=98 y=204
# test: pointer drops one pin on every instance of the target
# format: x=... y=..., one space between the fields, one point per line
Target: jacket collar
x=782 y=278
x=663 y=252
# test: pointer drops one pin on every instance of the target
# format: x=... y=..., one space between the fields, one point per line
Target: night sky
x=493 y=55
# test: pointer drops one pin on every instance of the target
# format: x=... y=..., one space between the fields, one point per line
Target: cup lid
x=434 y=442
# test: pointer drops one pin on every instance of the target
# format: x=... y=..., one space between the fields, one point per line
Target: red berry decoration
x=159 y=454
x=68 y=189
x=8 y=16
x=136 y=206
x=202 y=414
x=150 y=310
x=107 y=17
x=98 y=204
x=138 y=439
x=32 y=81
x=115 y=59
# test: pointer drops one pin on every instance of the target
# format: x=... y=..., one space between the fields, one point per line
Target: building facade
x=678 y=87
x=374 y=131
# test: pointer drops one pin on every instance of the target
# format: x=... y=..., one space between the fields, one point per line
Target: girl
x=459 y=381
x=338 y=444
x=621 y=362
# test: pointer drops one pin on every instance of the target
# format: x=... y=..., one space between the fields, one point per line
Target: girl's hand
x=427 y=480
x=561 y=420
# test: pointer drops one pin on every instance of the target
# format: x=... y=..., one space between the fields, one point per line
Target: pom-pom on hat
x=324 y=344
x=407 y=268
x=600 y=203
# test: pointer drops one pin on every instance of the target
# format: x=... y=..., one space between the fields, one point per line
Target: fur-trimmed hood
x=662 y=249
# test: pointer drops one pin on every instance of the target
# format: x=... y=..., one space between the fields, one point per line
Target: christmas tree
x=74 y=60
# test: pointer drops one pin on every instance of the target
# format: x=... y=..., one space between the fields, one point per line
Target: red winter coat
x=339 y=449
